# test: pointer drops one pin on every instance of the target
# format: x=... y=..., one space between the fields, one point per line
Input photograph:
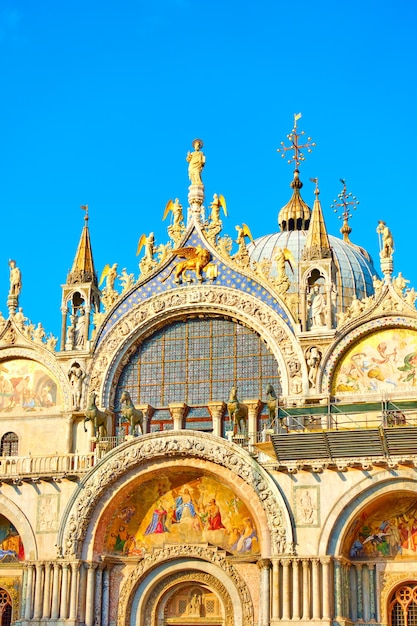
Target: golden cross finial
x=346 y=203
x=294 y=139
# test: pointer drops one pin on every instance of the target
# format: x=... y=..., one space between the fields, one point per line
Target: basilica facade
x=227 y=439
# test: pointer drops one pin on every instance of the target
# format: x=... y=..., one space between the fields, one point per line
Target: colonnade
x=294 y=589
x=74 y=591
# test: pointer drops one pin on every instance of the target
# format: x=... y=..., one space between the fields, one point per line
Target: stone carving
x=162 y=555
x=15 y=280
x=142 y=449
x=313 y=362
x=386 y=241
x=317 y=304
x=206 y=580
x=76 y=375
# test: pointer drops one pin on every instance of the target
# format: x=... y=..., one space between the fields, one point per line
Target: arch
x=9 y=445
x=147 y=317
x=343 y=343
x=152 y=574
x=171 y=448
x=19 y=520
x=47 y=359
x=339 y=519
x=397 y=597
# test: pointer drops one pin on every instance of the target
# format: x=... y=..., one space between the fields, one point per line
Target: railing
x=51 y=465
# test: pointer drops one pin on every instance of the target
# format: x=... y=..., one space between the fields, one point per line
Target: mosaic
x=385 y=528
x=383 y=361
x=11 y=546
x=27 y=385
x=181 y=508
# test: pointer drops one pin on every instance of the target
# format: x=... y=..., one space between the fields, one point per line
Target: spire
x=83 y=267
x=346 y=203
x=295 y=215
x=317 y=242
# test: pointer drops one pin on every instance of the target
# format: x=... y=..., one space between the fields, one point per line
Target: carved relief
x=168 y=553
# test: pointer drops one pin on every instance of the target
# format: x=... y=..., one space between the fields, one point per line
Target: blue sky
x=102 y=99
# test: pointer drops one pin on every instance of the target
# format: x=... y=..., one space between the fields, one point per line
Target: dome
x=354 y=266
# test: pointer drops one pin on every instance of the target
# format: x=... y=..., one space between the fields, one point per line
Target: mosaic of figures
x=27 y=385
x=384 y=361
x=386 y=528
x=182 y=508
x=11 y=546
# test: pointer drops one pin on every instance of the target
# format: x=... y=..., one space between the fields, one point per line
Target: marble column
x=147 y=411
x=75 y=566
x=295 y=589
x=359 y=591
x=275 y=589
x=178 y=412
x=64 y=590
x=37 y=611
x=338 y=589
x=24 y=588
x=265 y=600
x=306 y=589
x=315 y=572
x=29 y=592
x=90 y=591
x=327 y=587
x=285 y=589
x=55 y=592
x=372 y=591
x=98 y=596
x=105 y=617
x=46 y=609
x=254 y=409
x=217 y=410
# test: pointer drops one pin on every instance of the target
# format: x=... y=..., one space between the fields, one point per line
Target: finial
x=348 y=202
x=294 y=138
x=84 y=207
x=316 y=182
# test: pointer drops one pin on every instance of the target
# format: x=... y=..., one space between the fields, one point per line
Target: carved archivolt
x=193 y=577
x=169 y=553
x=164 y=445
x=145 y=318
x=388 y=582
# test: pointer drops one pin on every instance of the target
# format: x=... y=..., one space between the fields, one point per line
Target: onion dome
x=295 y=215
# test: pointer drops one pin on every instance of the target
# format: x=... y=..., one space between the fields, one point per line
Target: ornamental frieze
x=163 y=445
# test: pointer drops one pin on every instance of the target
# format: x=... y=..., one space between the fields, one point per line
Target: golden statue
x=218 y=201
x=196 y=161
x=176 y=209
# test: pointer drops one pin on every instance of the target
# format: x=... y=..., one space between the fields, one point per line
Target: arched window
x=5 y=608
x=403 y=606
x=9 y=445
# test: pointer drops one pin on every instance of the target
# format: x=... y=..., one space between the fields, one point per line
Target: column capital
x=217 y=409
x=264 y=563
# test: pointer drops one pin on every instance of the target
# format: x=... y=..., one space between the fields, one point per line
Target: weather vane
x=347 y=202
x=294 y=139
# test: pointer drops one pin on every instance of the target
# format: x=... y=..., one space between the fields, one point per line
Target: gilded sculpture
x=238 y=412
x=196 y=259
x=148 y=263
x=177 y=228
x=196 y=161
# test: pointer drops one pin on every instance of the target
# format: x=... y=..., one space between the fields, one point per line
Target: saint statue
x=196 y=161
x=15 y=279
x=387 y=244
